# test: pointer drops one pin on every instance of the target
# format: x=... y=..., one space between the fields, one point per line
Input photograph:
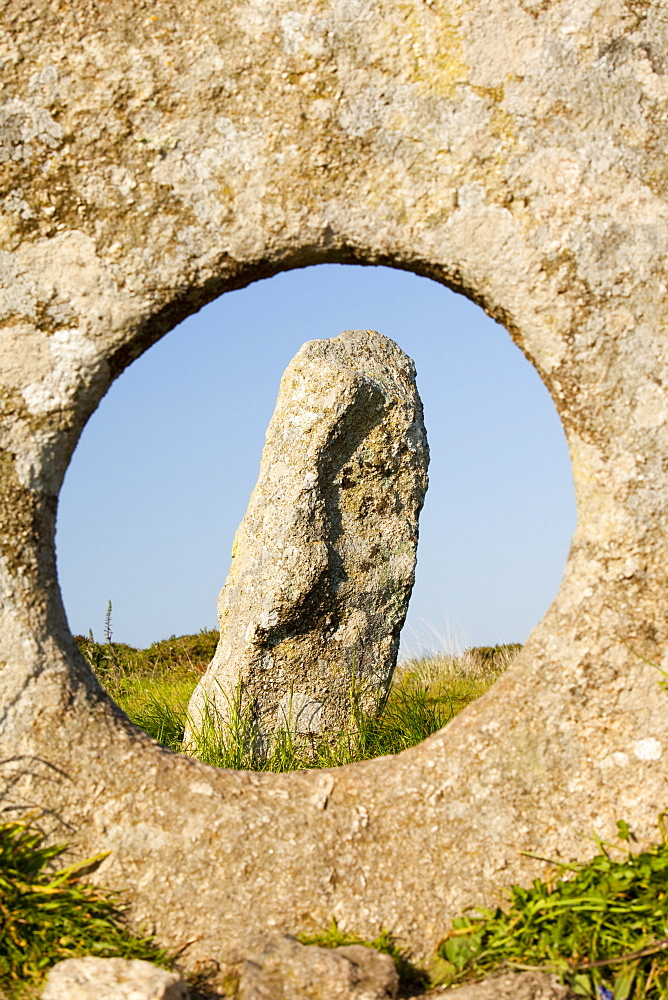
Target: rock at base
x=93 y=978
x=324 y=559
x=281 y=968
x=510 y=986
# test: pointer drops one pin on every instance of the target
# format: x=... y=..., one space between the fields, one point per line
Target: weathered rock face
x=280 y=968
x=513 y=150
x=512 y=986
x=323 y=562
x=93 y=978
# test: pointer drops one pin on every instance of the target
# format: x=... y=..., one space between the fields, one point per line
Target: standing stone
x=323 y=561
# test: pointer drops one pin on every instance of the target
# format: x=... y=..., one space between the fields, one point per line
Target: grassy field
x=153 y=686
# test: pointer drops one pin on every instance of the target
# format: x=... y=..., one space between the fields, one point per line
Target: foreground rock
x=283 y=969
x=511 y=986
x=324 y=559
x=112 y=979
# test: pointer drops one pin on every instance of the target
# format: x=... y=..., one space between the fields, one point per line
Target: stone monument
x=324 y=559
x=512 y=150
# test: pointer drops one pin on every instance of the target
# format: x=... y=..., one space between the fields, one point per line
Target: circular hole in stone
x=162 y=474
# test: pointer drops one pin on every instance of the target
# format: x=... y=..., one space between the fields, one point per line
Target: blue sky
x=163 y=471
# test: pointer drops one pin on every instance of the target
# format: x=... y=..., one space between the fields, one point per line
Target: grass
x=48 y=914
x=153 y=686
x=601 y=927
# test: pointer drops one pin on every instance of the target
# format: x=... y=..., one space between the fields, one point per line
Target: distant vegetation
x=153 y=686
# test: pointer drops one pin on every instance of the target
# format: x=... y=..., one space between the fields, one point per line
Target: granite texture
x=91 y=978
x=514 y=150
x=278 y=967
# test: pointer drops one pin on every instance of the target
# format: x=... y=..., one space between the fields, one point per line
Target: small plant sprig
x=601 y=926
x=107 y=624
x=102 y=658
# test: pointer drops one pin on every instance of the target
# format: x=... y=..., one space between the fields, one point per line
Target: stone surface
x=509 y=986
x=112 y=979
x=513 y=150
x=324 y=559
x=283 y=969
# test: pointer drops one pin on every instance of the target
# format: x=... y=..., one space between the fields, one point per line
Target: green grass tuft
x=601 y=926
x=48 y=914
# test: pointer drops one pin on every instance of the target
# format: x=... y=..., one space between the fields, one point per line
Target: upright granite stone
x=324 y=559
